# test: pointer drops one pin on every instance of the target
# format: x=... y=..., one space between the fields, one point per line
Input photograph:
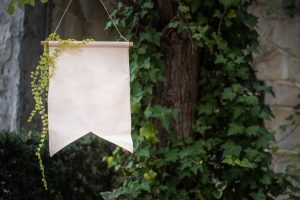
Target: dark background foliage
x=77 y=172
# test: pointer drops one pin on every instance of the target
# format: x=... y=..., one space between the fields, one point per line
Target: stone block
x=273 y=67
x=5 y=41
x=295 y=69
x=291 y=136
x=11 y=27
x=286 y=34
x=285 y=94
x=265 y=48
x=279 y=28
x=278 y=162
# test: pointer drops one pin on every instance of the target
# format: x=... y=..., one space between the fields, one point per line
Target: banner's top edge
x=96 y=43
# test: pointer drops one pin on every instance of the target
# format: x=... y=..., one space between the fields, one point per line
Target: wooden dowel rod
x=95 y=44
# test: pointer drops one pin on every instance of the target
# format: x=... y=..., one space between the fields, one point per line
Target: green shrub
x=77 y=172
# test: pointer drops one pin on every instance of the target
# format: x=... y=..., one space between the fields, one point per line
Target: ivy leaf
x=141 y=49
x=145 y=185
x=162 y=113
x=258 y=196
x=243 y=73
x=250 y=20
x=205 y=109
x=151 y=35
x=135 y=105
x=266 y=179
x=252 y=130
x=217 y=14
x=174 y=24
x=220 y=59
x=235 y=129
x=148 y=4
x=252 y=154
x=264 y=115
x=238 y=87
x=231 y=14
x=247 y=164
x=149 y=132
x=144 y=152
x=228 y=94
x=229 y=160
x=31 y=2
x=251 y=100
x=264 y=140
x=237 y=111
x=195 y=5
x=11 y=7
x=21 y=3
x=230 y=148
x=227 y=3
x=112 y=195
x=183 y=8
x=146 y=63
x=172 y=155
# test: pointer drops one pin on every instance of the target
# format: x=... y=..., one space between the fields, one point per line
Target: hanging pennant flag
x=89 y=93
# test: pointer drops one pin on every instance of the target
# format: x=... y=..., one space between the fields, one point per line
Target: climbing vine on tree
x=227 y=156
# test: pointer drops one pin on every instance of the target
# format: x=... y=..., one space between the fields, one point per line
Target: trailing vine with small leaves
x=40 y=78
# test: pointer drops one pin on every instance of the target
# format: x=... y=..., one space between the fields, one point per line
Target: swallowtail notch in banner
x=89 y=92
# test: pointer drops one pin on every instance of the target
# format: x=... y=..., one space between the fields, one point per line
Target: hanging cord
x=111 y=19
x=63 y=16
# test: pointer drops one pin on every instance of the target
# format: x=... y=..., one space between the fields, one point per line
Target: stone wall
x=11 y=29
x=20 y=51
x=35 y=29
x=278 y=64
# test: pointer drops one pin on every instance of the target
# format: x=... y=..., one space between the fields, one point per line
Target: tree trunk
x=179 y=89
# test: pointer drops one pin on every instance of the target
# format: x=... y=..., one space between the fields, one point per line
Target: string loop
x=58 y=24
x=110 y=17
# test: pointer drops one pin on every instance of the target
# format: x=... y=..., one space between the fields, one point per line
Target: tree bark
x=166 y=11
x=179 y=89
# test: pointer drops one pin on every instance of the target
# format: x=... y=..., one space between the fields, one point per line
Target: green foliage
x=290 y=7
x=228 y=156
x=40 y=85
x=74 y=173
x=20 y=4
x=291 y=175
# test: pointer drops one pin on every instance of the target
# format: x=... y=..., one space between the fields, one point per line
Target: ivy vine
x=40 y=78
x=228 y=156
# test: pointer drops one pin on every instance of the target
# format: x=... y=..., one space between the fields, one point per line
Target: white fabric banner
x=90 y=93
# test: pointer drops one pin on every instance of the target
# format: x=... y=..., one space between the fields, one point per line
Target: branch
x=289 y=133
